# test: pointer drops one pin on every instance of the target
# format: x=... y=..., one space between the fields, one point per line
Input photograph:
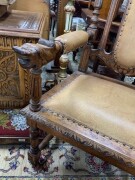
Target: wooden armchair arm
x=37 y=55
x=33 y=56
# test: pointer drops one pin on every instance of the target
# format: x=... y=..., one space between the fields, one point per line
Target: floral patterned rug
x=12 y=125
x=60 y=161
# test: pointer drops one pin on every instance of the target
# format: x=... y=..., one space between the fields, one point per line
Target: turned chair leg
x=34 y=152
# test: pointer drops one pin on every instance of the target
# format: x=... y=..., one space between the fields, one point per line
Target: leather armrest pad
x=73 y=40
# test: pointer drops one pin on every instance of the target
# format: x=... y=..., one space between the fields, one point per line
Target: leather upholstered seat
x=97 y=116
x=98 y=103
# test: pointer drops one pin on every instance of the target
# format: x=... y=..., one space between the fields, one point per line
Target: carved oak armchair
x=90 y=111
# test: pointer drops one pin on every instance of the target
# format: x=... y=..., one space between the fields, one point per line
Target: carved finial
x=94 y=20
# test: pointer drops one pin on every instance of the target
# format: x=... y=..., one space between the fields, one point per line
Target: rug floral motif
x=59 y=161
x=13 y=124
x=17 y=121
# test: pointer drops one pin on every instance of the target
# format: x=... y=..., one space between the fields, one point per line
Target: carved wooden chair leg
x=34 y=152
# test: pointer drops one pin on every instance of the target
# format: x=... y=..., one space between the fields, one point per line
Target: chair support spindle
x=35 y=90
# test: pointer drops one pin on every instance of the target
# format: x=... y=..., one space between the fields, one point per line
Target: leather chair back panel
x=124 y=52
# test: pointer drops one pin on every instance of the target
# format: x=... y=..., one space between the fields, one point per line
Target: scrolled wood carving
x=8 y=73
x=9 y=42
x=35 y=55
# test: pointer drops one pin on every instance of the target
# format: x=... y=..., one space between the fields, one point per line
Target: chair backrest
x=122 y=57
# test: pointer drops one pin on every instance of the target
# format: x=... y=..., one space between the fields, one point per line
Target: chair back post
x=92 y=30
x=115 y=4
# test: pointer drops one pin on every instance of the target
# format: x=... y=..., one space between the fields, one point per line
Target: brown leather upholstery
x=124 y=52
x=72 y=41
x=100 y=104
